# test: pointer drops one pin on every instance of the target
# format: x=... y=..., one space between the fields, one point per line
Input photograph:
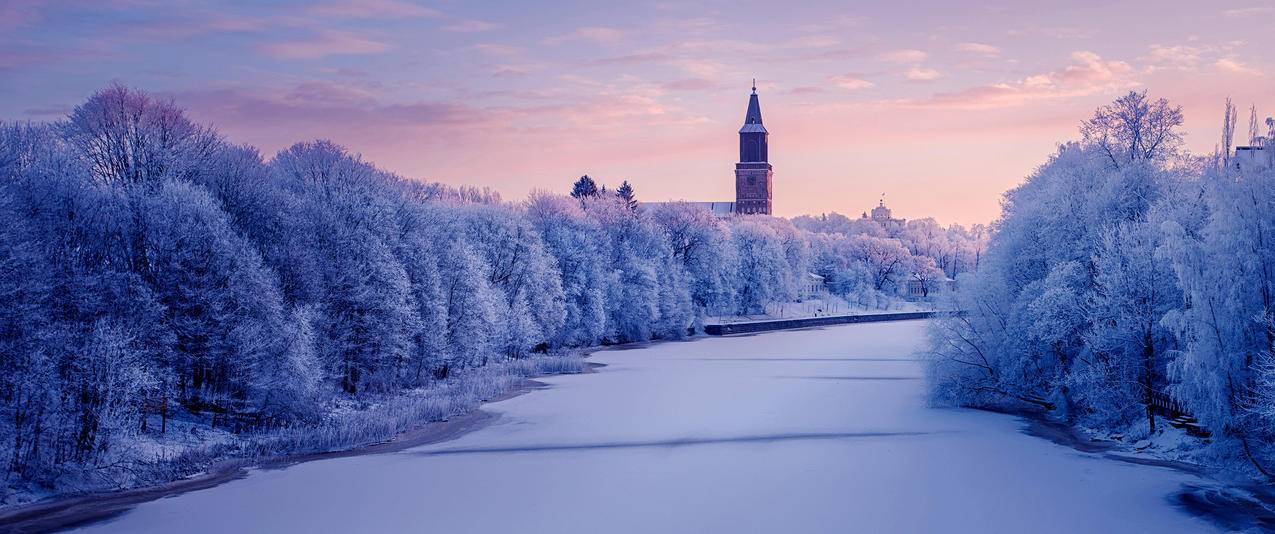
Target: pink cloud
x=1234 y=66
x=922 y=74
x=1088 y=74
x=327 y=43
x=372 y=9
x=472 y=26
x=979 y=48
x=904 y=56
x=594 y=34
x=851 y=82
x=1182 y=57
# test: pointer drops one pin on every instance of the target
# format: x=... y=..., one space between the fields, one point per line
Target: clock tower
x=753 y=173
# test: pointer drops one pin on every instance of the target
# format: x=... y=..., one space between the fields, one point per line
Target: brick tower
x=753 y=173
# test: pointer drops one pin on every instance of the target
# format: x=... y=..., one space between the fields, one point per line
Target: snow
x=813 y=431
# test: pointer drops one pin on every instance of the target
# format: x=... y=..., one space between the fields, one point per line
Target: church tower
x=753 y=173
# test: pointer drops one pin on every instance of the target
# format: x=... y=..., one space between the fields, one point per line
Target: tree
x=886 y=259
x=584 y=188
x=1229 y=116
x=571 y=237
x=625 y=192
x=1134 y=129
x=699 y=242
x=1132 y=292
x=928 y=275
x=1253 y=132
x=128 y=137
x=762 y=271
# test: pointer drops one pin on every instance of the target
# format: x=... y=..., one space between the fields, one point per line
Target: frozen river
x=800 y=431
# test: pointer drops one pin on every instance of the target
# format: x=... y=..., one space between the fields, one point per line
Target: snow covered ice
x=799 y=431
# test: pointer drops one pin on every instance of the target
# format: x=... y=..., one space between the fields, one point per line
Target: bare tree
x=1253 y=133
x=129 y=137
x=1133 y=128
x=1229 y=116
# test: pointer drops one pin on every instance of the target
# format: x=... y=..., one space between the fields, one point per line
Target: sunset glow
x=939 y=107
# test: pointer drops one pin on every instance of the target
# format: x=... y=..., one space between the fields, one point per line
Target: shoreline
x=62 y=513
x=1230 y=504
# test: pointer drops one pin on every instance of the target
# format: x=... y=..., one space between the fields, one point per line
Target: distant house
x=812 y=287
x=921 y=289
x=1252 y=159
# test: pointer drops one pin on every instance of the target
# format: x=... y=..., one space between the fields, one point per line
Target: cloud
x=979 y=48
x=690 y=84
x=805 y=90
x=922 y=74
x=594 y=34
x=372 y=9
x=812 y=41
x=327 y=43
x=1087 y=74
x=634 y=59
x=320 y=104
x=1180 y=57
x=472 y=26
x=514 y=71
x=904 y=56
x=1234 y=66
x=851 y=82
x=1248 y=11
x=498 y=50
x=48 y=111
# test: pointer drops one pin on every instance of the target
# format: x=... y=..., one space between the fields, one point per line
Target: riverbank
x=62 y=512
x=1231 y=501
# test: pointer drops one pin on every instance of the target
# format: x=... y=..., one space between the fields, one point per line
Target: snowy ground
x=798 y=431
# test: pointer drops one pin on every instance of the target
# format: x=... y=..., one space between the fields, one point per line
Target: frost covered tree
x=572 y=238
x=699 y=242
x=1134 y=128
x=762 y=272
x=1066 y=306
x=129 y=137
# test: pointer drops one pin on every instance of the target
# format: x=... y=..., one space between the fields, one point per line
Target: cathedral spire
x=752 y=118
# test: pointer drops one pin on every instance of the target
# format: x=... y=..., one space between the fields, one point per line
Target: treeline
x=1126 y=276
x=864 y=260
x=156 y=276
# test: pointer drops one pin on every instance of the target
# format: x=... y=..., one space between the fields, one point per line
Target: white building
x=1252 y=159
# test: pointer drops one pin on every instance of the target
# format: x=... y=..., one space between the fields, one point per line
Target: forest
x=173 y=298
x=1129 y=284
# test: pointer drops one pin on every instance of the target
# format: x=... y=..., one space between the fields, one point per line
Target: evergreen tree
x=584 y=188
x=625 y=192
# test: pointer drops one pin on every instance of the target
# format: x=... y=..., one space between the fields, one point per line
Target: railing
x=1164 y=405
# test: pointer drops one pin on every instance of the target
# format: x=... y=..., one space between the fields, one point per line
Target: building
x=1252 y=159
x=753 y=172
x=883 y=216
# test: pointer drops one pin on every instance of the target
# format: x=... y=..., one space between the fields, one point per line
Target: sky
x=939 y=107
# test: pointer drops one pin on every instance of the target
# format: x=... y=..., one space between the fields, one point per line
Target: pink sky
x=940 y=107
